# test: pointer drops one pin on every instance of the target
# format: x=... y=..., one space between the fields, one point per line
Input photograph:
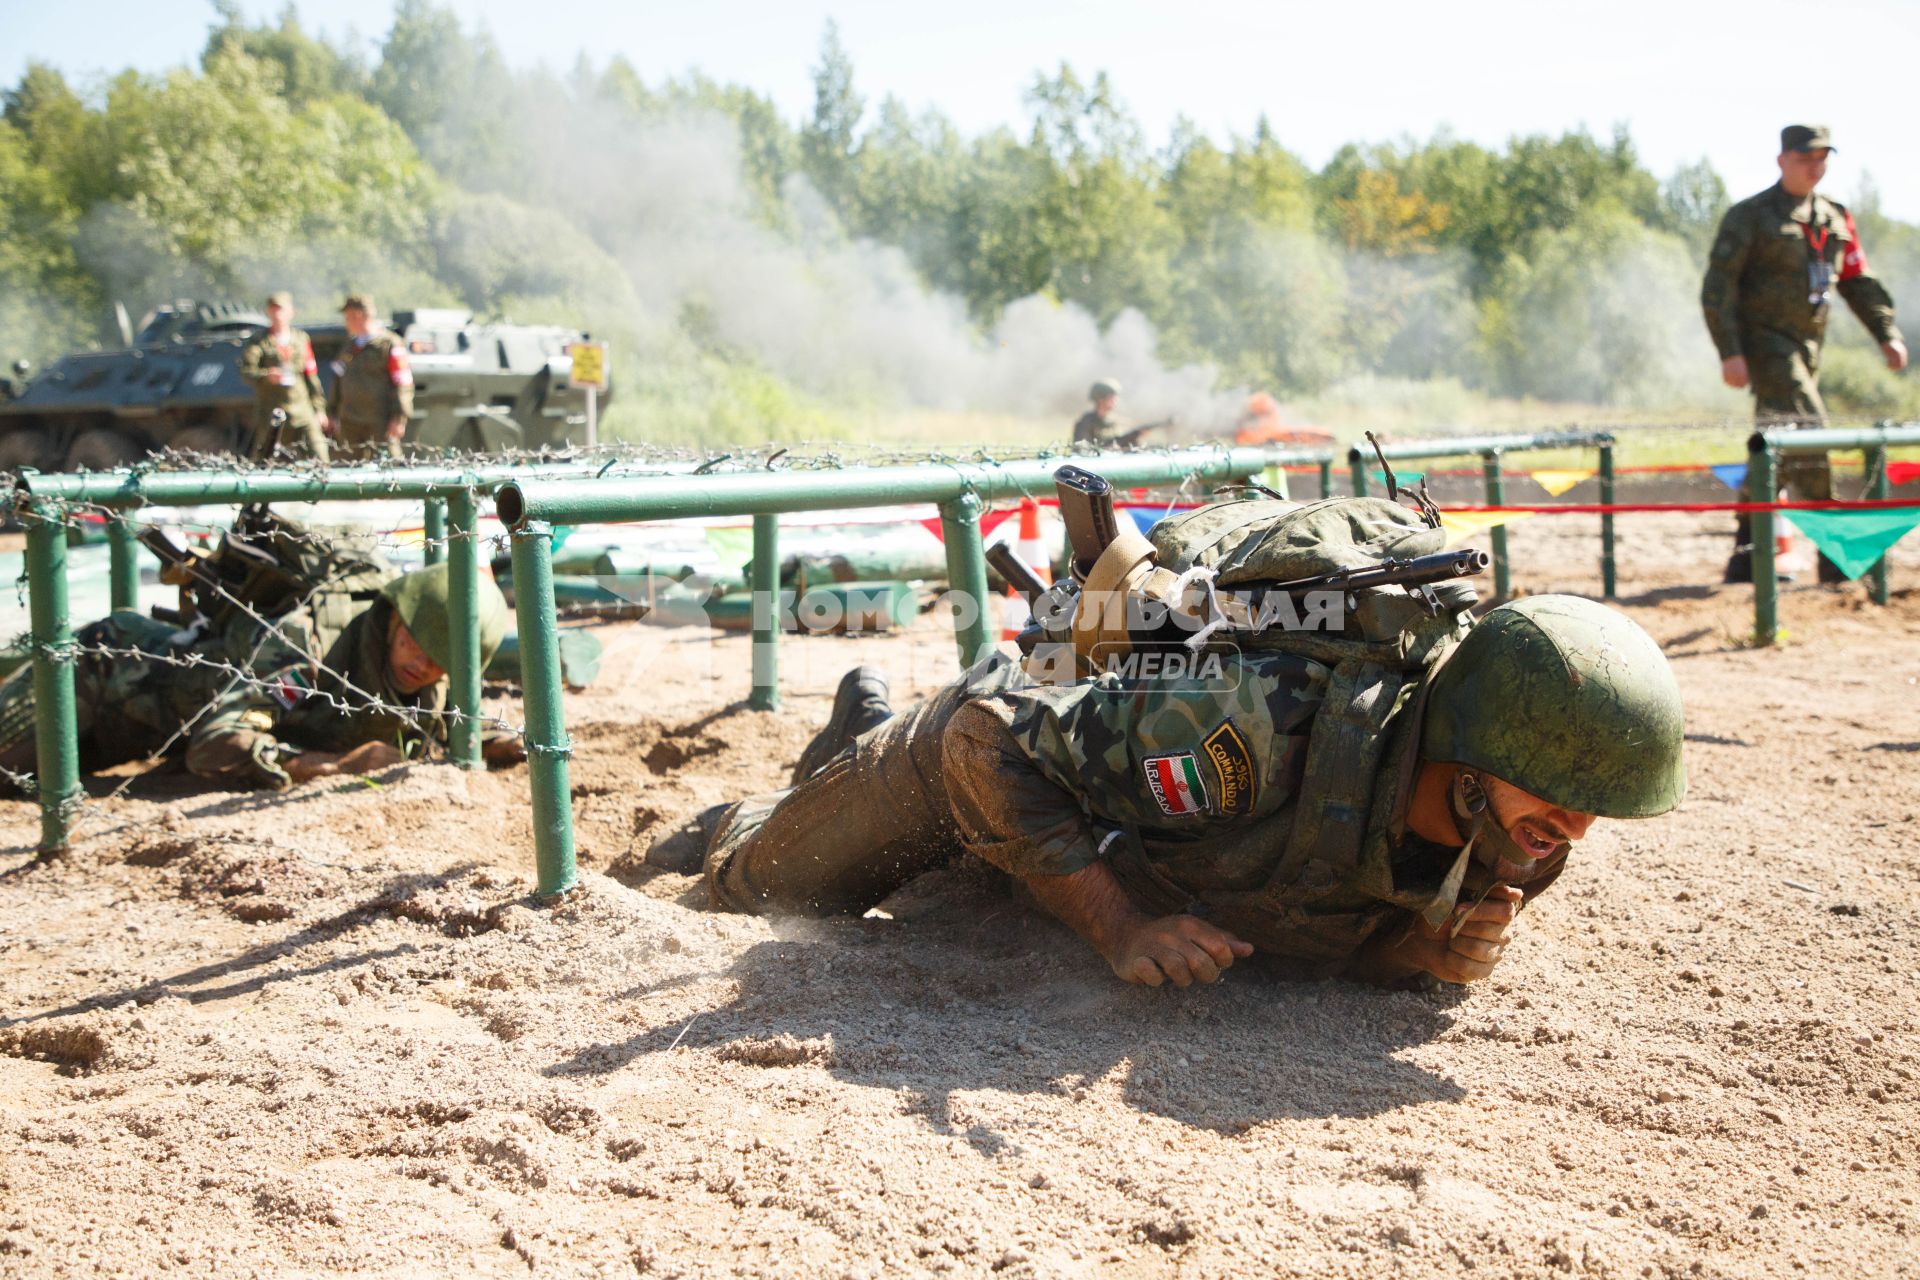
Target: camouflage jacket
x=1772 y=251
x=1188 y=789
x=241 y=733
x=1091 y=428
x=284 y=376
x=372 y=385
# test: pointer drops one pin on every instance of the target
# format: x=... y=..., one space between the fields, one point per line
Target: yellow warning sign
x=589 y=364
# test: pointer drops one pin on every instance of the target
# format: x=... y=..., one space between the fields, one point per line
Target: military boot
x=859 y=704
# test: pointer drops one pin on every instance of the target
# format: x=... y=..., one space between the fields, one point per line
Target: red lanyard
x=1819 y=246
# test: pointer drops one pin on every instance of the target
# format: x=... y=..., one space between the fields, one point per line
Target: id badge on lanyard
x=1819 y=270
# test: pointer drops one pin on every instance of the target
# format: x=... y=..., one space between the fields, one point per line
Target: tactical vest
x=272 y=565
x=1334 y=874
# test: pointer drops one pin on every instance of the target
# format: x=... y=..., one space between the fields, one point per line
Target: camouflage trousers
x=124 y=708
x=292 y=440
x=1786 y=392
x=874 y=817
x=362 y=442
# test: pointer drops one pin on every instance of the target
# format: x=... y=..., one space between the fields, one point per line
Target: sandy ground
x=331 y=1031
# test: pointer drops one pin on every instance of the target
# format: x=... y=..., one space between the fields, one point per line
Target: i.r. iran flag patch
x=1175 y=783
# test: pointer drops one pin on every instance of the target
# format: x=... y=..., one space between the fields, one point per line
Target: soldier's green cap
x=1806 y=137
x=361 y=301
x=424 y=601
x=1566 y=699
x=279 y=298
x=1102 y=389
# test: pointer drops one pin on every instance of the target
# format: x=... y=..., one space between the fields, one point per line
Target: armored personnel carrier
x=477 y=387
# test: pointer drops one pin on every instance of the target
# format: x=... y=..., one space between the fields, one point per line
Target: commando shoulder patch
x=1233 y=765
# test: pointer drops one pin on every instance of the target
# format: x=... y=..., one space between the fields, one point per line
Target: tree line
x=1553 y=267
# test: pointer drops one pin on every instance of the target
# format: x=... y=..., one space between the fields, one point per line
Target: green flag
x=1855 y=540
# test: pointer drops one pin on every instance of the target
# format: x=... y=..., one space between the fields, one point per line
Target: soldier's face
x=279 y=316
x=356 y=320
x=412 y=669
x=1105 y=405
x=1801 y=171
x=1536 y=827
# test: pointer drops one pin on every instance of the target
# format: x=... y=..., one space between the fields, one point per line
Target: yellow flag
x=1557 y=482
x=1461 y=525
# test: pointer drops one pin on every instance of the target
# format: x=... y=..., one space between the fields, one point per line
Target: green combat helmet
x=423 y=601
x=1566 y=699
x=1102 y=389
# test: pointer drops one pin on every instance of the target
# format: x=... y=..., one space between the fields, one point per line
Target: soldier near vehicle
x=1375 y=802
x=372 y=396
x=1775 y=264
x=1100 y=426
x=285 y=376
x=346 y=678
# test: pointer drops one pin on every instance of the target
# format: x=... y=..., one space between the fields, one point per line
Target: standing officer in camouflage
x=1775 y=264
x=322 y=696
x=1181 y=824
x=285 y=377
x=372 y=396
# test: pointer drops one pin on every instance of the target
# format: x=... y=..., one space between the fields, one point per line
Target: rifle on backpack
x=1115 y=607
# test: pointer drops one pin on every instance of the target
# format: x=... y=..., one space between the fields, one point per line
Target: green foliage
x=1415 y=276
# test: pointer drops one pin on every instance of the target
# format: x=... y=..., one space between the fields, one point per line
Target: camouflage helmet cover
x=280 y=298
x=358 y=302
x=1566 y=699
x=423 y=599
x=1102 y=389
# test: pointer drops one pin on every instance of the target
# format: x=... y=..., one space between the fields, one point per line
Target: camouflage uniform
x=239 y=735
x=285 y=376
x=1189 y=791
x=1760 y=302
x=1094 y=427
x=372 y=385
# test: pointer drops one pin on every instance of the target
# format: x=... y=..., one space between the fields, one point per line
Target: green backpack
x=1379 y=660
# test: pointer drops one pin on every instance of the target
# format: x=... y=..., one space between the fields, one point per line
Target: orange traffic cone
x=1032 y=553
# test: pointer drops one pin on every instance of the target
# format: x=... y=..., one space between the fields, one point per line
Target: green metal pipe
x=1326 y=477
x=1497 y=497
x=548 y=747
x=1878 y=487
x=1787 y=440
x=433 y=530
x=765 y=578
x=464 y=675
x=1608 y=582
x=966 y=577
x=56 y=733
x=123 y=564
x=1357 y=469
x=1766 y=585
x=133 y=489
x=601 y=501
x=1460 y=446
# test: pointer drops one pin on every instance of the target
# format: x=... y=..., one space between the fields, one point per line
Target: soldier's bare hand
x=1472 y=941
x=1733 y=371
x=370 y=757
x=503 y=752
x=397 y=429
x=326 y=425
x=1182 y=950
x=1896 y=354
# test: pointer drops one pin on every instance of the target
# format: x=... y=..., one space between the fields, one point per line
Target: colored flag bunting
x=732 y=547
x=1903 y=472
x=1557 y=481
x=1855 y=540
x=1461 y=525
x=1406 y=479
x=1731 y=474
x=989 y=521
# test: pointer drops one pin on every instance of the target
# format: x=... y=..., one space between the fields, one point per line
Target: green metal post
x=1357 y=465
x=1326 y=477
x=123 y=564
x=966 y=577
x=1497 y=497
x=463 y=563
x=1766 y=587
x=1877 y=487
x=56 y=735
x=548 y=747
x=434 y=530
x=764 y=579
x=1607 y=577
